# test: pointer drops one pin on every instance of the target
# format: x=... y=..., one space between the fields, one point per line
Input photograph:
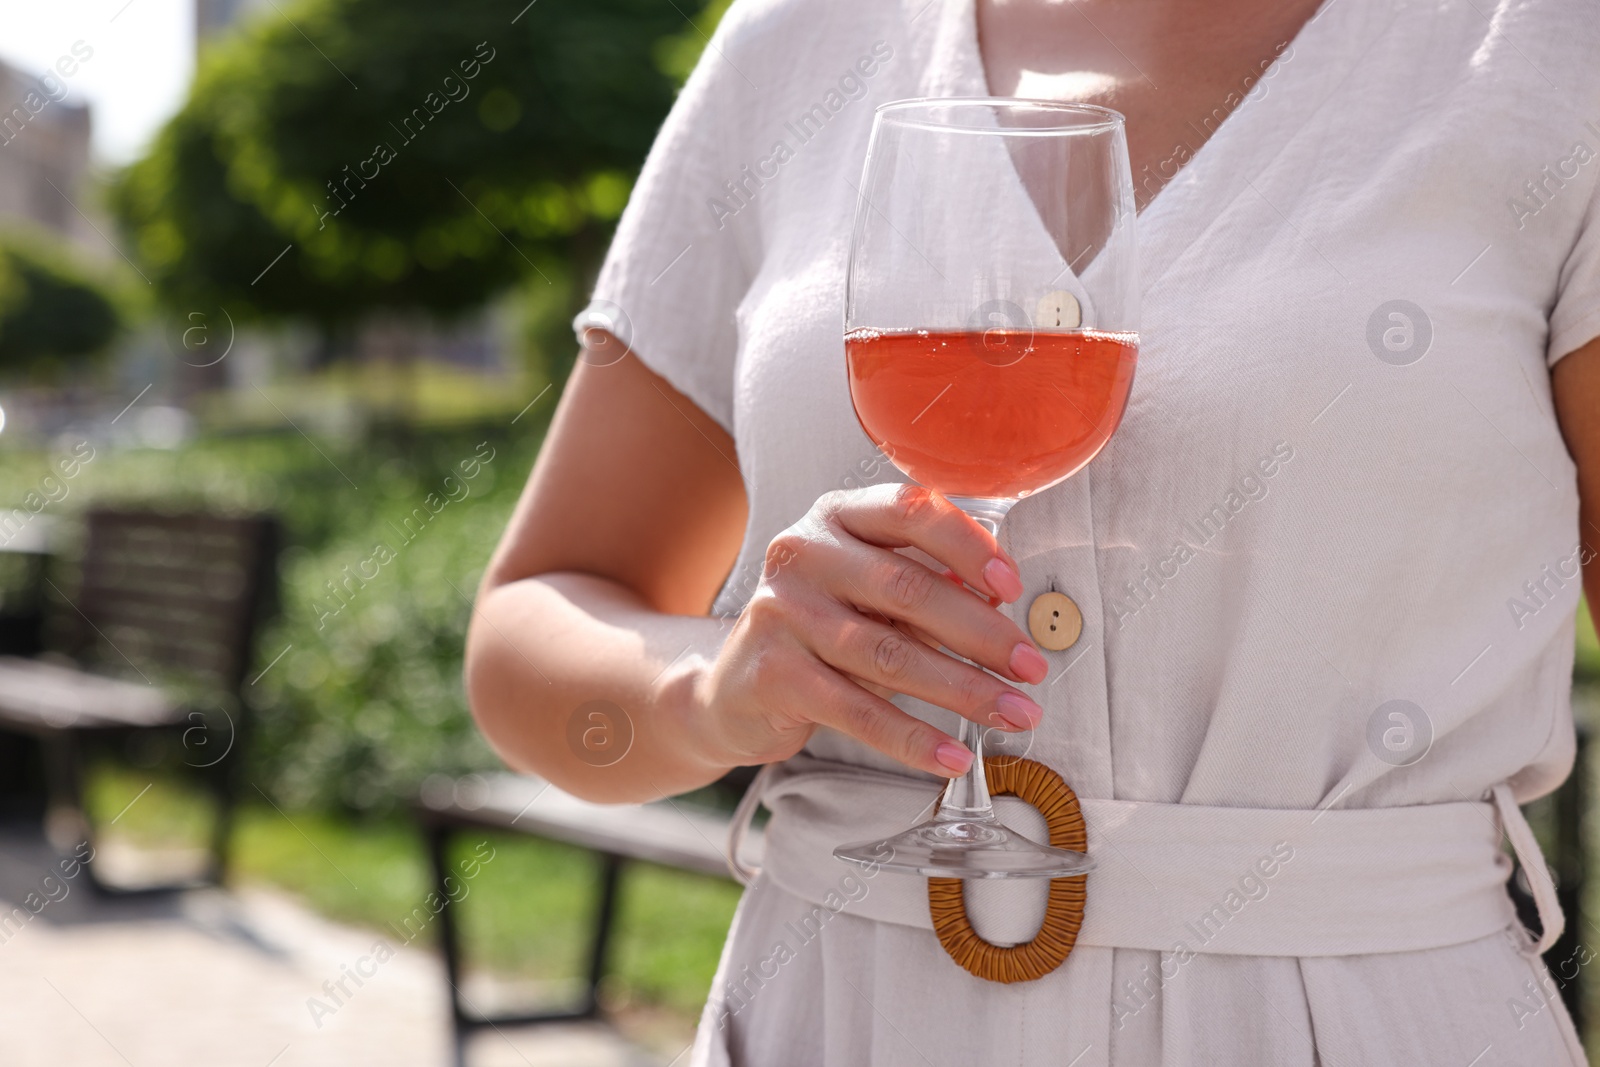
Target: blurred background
x=312 y=261
x=285 y=292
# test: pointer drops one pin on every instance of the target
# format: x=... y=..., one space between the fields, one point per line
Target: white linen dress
x=1339 y=484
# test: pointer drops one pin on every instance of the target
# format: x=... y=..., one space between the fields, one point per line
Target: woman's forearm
x=1575 y=388
x=590 y=661
x=577 y=679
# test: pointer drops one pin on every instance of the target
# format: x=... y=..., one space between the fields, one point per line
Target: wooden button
x=1055 y=621
x=1058 y=311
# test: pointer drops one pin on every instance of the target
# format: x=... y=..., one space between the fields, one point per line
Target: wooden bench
x=158 y=637
x=669 y=833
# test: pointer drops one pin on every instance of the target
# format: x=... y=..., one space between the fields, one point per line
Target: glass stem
x=966 y=799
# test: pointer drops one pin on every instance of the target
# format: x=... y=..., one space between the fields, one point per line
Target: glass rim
x=1101 y=118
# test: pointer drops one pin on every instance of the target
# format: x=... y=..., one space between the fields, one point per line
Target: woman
x=1327 y=568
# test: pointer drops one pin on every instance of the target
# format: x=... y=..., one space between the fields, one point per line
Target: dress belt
x=1179 y=877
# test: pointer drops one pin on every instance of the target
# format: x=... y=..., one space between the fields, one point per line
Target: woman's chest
x=1176 y=71
x=1286 y=317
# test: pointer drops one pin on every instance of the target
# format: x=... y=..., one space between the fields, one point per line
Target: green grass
x=368 y=872
x=526 y=912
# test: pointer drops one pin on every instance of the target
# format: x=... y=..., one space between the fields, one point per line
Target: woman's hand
x=840 y=619
x=578 y=608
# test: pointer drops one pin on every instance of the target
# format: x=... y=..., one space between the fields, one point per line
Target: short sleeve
x=677 y=267
x=1575 y=318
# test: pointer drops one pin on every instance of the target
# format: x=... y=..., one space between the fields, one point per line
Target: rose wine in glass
x=989 y=430
x=990 y=341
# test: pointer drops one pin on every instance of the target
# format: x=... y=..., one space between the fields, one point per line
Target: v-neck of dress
x=1226 y=163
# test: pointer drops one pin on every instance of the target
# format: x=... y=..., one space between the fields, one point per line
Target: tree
x=350 y=156
x=50 y=309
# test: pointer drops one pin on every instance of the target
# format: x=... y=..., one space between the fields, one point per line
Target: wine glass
x=991 y=321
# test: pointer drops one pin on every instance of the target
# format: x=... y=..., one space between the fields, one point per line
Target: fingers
x=841 y=623
x=909 y=516
x=881 y=583
x=885 y=657
x=839 y=703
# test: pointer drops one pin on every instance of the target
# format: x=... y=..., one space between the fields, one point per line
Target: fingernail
x=953 y=756
x=1003 y=579
x=1019 y=712
x=1028 y=663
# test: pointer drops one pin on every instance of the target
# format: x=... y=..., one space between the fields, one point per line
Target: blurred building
x=212 y=17
x=44 y=154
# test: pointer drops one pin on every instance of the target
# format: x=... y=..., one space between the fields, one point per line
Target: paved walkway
x=222 y=979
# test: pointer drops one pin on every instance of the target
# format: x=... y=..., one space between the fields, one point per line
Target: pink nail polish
x=953 y=756
x=1028 y=663
x=1002 y=579
x=1019 y=712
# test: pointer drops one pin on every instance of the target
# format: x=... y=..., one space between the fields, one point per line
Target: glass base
x=967 y=847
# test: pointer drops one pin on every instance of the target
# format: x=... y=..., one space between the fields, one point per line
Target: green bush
x=51 y=310
x=480 y=150
x=367 y=700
